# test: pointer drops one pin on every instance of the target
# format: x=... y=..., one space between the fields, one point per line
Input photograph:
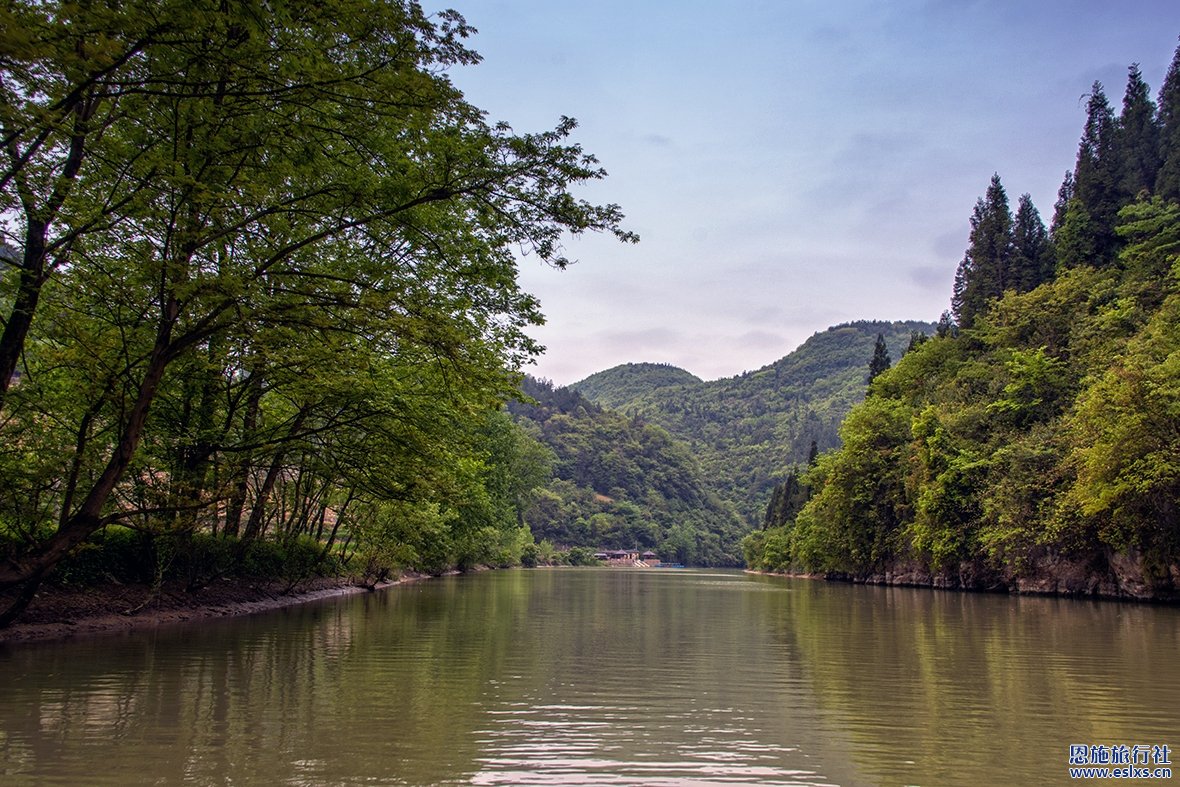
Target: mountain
x=620 y=385
x=620 y=483
x=748 y=431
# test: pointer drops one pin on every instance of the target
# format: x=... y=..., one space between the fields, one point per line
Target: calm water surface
x=589 y=676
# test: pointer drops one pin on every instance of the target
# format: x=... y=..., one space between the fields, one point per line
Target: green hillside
x=620 y=385
x=1035 y=444
x=747 y=431
x=620 y=483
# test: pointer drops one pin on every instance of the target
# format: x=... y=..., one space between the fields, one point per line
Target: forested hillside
x=1036 y=446
x=620 y=483
x=617 y=387
x=747 y=430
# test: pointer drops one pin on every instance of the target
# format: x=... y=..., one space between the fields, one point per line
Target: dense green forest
x=621 y=483
x=1034 y=444
x=747 y=431
x=619 y=387
x=259 y=294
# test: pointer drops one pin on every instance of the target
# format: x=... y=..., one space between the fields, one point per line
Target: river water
x=603 y=676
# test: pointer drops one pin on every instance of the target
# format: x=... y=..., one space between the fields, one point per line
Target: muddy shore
x=61 y=613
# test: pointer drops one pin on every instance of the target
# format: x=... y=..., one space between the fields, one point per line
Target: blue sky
x=790 y=165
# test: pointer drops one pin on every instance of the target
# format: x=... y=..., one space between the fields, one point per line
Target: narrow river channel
x=605 y=676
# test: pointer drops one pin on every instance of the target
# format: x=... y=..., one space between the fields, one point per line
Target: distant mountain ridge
x=619 y=385
x=747 y=431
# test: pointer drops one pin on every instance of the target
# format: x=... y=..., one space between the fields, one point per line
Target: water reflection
x=601 y=677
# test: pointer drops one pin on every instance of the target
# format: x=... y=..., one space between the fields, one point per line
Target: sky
x=789 y=165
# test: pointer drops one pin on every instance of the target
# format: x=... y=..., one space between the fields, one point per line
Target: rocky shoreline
x=61 y=613
x=1116 y=577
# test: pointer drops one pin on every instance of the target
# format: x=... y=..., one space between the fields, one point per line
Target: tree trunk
x=28 y=293
x=236 y=504
x=254 y=524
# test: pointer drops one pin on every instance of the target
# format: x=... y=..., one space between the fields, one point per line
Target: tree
x=851 y=522
x=1033 y=261
x=1167 y=183
x=302 y=199
x=1061 y=206
x=917 y=339
x=66 y=82
x=880 y=360
x=985 y=271
x=1126 y=447
x=786 y=501
x=1086 y=235
x=946 y=326
x=1139 y=138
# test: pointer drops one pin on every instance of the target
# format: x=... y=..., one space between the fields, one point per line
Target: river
x=604 y=676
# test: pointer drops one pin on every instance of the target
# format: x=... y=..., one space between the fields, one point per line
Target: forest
x=258 y=291
x=748 y=430
x=1032 y=444
x=618 y=483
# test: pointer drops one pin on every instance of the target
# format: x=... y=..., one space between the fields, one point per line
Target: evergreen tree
x=986 y=269
x=785 y=501
x=1061 y=206
x=1033 y=261
x=946 y=326
x=1075 y=241
x=917 y=339
x=1167 y=183
x=1098 y=189
x=880 y=361
x=1139 y=138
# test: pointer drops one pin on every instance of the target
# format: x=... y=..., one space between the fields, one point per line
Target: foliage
x=259 y=273
x=621 y=483
x=1004 y=253
x=881 y=360
x=580 y=556
x=620 y=385
x=746 y=432
x=1047 y=424
x=1125 y=447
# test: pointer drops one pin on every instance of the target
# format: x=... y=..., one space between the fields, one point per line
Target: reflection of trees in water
x=934 y=686
x=469 y=677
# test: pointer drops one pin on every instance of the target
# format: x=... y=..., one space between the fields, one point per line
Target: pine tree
x=880 y=361
x=917 y=339
x=1075 y=242
x=1061 y=206
x=1033 y=261
x=1167 y=183
x=1139 y=138
x=946 y=326
x=786 y=500
x=1097 y=190
x=986 y=270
